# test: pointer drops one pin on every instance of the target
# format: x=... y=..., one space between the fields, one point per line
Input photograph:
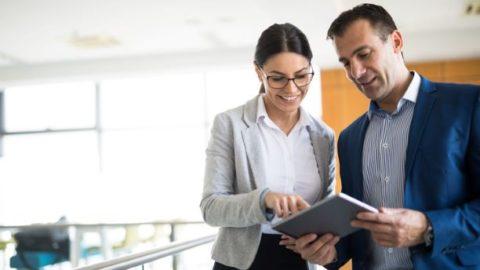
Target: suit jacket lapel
x=357 y=157
x=423 y=107
x=354 y=143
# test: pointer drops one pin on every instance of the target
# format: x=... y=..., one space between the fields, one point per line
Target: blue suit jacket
x=442 y=176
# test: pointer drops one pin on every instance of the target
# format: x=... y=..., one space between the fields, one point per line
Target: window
x=43 y=174
x=135 y=154
x=54 y=106
x=164 y=101
x=227 y=89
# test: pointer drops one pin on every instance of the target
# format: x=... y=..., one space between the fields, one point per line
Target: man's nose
x=356 y=70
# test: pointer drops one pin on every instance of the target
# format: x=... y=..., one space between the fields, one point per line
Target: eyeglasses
x=280 y=82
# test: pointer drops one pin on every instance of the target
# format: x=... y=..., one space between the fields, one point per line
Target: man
x=415 y=155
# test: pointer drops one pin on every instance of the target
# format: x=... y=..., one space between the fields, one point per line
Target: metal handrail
x=96 y=225
x=140 y=258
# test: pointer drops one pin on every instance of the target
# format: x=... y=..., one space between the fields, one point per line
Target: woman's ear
x=258 y=71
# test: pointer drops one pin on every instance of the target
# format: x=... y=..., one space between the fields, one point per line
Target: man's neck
x=390 y=103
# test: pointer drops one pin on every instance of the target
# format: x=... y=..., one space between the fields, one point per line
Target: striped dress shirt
x=384 y=155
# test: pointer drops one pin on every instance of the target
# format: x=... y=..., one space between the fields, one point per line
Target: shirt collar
x=262 y=114
x=412 y=90
x=409 y=96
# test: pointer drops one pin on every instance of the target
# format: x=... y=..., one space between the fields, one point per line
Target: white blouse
x=290 y=163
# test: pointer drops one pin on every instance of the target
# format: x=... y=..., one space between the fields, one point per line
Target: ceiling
x=52 y=38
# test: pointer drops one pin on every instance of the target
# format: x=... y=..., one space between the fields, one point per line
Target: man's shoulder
x=354 y=127
x=453 y=95
x=454 y=89
x=455 y=85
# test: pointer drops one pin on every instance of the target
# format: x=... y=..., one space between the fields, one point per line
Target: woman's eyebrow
x=283 y=74
x=277 y=72
x=303 y=69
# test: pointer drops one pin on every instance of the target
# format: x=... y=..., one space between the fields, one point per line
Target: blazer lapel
x=320 y=151
x=255 y=155
x=423 y=107
x=253 y=146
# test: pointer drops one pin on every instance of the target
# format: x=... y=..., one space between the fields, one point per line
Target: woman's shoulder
x=233 y=113
x=318 y=125
x=238 y=113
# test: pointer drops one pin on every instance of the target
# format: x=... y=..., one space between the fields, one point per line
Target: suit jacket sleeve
x=457 y=227
x=343 y=246
x=220 y=205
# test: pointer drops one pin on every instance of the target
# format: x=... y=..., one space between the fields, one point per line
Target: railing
x=141 y=258
x=78 y=229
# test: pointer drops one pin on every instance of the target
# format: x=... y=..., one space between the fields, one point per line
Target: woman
x=267 y=157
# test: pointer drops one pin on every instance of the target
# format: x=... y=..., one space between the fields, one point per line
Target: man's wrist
x=428 y=234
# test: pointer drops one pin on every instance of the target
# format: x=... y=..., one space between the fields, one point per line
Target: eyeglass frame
x=288 y=79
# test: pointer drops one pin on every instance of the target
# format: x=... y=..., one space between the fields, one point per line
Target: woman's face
x=283 y=95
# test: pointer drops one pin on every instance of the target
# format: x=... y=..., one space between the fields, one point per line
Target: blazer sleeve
x=458 y=227
x=220 y=204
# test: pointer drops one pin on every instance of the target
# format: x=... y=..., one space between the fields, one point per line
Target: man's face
x=369 y=61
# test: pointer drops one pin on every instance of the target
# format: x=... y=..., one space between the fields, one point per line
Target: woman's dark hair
x=281 y=38
x=378 y=17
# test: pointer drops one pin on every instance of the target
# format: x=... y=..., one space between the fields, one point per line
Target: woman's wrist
x=268 y=213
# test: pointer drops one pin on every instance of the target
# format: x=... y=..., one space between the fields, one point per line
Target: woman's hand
x=284 y=204
x=314 y=248
x=289 y=242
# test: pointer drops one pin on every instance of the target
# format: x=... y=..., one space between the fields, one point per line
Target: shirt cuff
x=268 y=213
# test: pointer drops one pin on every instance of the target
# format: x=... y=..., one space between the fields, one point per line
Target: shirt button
x=390 y=250
x=385 y=145
x=387 y=179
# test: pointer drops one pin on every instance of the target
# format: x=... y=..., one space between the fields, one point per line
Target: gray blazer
x=235 y=179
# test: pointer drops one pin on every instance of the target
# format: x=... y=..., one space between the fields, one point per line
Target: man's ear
x=397 y=41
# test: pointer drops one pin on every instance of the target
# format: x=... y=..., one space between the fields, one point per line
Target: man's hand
x=312 y=248
x=284 y=204
x=394 y=227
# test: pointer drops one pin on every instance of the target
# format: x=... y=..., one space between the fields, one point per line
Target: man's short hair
x=378 y=17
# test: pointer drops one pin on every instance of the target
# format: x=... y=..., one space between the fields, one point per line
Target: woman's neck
x=284 y=120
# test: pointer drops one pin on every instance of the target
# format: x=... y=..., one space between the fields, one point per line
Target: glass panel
x=230 y=88
x=169 y=100
x=159 y=171
x=52 y=106
x=45 y=176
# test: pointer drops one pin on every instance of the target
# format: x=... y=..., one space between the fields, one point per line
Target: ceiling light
x=472 y=7
x=95 y=41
